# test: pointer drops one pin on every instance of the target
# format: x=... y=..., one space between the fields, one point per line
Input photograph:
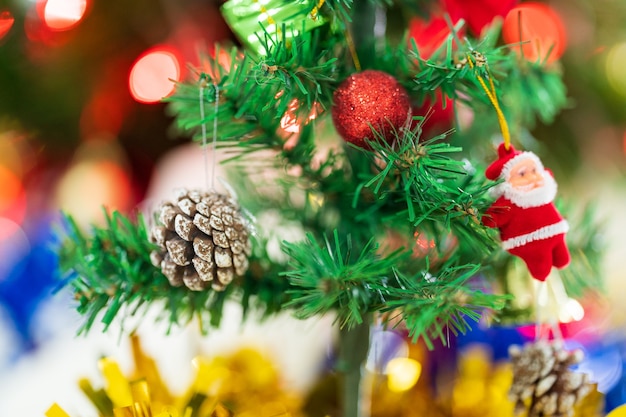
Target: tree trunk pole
x=353 y=349
x=355 y=393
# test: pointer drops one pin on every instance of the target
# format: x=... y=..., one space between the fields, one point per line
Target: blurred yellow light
x=469 y=392
x=402 y=374
x=615 y=64
x=64 y=14
x=316 y=200
x=475 y=362
x=88 y=185
x=618 y=412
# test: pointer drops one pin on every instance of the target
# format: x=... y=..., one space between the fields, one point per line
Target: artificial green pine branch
x=538 y=85
x=420 y=182
x=584 y=273
x=255 y=93
x=302 y=68
x=330 y=277
x=412 y=186
x=447 y=69
x=333 y=278
x=110 y=271
x=339 y=8
x=432 y=306
x=242 y=120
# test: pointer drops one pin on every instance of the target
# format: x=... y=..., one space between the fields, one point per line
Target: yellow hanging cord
x=355 y=58
x=352 y=48
x=493 y=98
x=316 y=9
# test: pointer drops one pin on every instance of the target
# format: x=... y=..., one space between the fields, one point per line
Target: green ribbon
x=247 y=18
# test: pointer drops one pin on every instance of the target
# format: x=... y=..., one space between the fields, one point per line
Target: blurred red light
x=103 y=113
x=38 y=32
x=6 y=22
x=152 y=75
x=64 y=14
x=539 y=28
x=428 y=35
x=12 y=196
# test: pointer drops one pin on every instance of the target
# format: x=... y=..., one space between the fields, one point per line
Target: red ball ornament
x=439 y=113
x=370 y=98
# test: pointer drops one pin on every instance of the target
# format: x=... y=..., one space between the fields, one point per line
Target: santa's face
x=528 y=184
x=526 y=176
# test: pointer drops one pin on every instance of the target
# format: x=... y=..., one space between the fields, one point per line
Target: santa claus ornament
x=530 y=225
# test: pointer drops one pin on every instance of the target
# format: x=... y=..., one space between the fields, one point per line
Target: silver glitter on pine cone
x=203 y=239
x=543 y=383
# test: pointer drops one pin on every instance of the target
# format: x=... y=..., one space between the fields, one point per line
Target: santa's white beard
x=529 y=198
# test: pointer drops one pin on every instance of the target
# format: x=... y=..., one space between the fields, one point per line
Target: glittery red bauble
x=370 y=98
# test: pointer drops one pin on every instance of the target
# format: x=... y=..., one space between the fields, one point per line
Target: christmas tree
x=393 y=207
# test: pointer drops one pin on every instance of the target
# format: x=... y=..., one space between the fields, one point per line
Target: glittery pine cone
x=203 y=240
x=543 y=383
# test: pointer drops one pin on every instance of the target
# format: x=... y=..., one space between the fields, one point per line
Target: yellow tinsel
x=479 y=388
x=244 y=384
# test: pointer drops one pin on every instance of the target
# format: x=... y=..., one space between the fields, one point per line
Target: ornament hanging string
x=352 y=48
x=316 y=9
x=493 y=98
x=349 y=40
x=548 y=294
x=203 y=83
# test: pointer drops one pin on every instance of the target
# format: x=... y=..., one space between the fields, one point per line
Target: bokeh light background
x=82 y=125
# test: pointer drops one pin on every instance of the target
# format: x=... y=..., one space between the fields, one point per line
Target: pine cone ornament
x=543 y=382
x=203 y=240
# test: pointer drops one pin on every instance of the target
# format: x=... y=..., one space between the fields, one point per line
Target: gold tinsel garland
x=478 y=388
x=245 y=384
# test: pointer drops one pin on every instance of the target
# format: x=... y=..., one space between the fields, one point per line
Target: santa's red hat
x=501 y=167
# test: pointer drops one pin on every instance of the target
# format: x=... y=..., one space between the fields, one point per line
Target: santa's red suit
x=534 y=231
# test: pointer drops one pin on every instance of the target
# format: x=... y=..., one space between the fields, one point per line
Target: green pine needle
x=110 y=272
x=340 y=8
x=301 y=68
x=433 y=306
x=421 y=182
x=332 y=278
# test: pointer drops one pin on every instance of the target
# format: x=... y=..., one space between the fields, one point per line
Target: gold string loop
x=316 y=9
x=493 y=98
